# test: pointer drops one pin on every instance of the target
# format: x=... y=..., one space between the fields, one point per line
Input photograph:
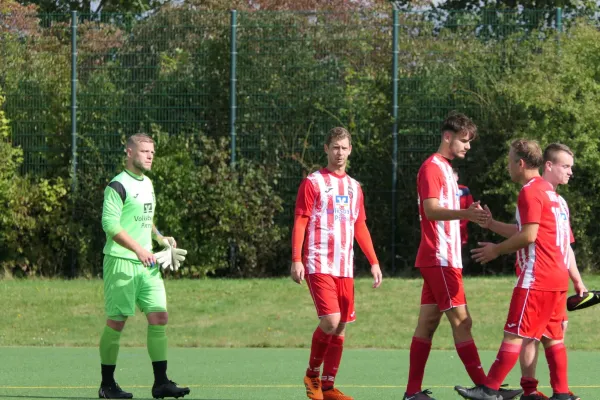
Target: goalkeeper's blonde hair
x=138 y=138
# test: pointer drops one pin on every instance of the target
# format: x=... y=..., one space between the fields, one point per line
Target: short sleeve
x=362 y=216
x=430 y=182
x=530 y=204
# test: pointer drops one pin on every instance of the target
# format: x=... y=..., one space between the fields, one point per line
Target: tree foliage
x=298 y=74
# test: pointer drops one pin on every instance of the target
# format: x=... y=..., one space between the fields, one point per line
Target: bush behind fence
x=226 y=171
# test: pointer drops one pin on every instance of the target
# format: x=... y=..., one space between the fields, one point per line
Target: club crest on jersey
x=342 y=201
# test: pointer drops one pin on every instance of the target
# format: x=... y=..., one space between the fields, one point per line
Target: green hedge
x=298 y=75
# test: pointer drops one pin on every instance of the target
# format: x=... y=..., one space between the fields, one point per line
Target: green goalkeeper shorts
x=127 y=283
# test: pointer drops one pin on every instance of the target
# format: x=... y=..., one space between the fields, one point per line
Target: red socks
x=467 y=351
x=507 y=357
x=320 y=341
x=419 y=353
x=529 y=385
x=333 y=357
x=557 y=363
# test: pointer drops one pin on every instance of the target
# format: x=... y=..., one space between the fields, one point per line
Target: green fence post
x=395 y=33
x=232 y=112
x=559 y=27
x=73 y=130
x=232 y=84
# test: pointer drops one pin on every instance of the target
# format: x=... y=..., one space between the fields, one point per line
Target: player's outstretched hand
x=476 y=214
x=377 y=277
x=146 y=257
x=297 y=272
x=485 y=253
x=178 y=257
x=489 y=218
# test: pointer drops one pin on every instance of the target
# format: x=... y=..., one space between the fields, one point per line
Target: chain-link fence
x=272 y=82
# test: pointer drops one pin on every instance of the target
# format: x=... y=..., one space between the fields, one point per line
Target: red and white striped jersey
x=440 y=240
x=544 y=264
x=333 y=204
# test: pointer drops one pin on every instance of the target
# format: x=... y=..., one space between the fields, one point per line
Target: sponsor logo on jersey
x=342 y=201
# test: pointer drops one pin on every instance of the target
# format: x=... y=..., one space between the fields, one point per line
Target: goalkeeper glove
x=178 y=257
x=166 y=241
x=164 y=258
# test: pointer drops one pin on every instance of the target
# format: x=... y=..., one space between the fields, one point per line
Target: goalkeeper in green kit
x=132 y=273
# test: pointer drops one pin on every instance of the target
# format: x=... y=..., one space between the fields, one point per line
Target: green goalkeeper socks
x=109 y=346
x=157 y=342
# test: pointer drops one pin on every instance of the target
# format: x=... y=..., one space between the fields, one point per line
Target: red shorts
x=536 y=313
x=443 y=286
x=332 y=295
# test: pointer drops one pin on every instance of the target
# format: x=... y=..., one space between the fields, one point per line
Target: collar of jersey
x=326 y=171
x=134 y=176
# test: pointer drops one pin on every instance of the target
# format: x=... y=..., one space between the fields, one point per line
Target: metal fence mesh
x=296 y=75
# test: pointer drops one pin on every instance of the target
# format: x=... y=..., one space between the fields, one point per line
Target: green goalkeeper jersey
x=128 y=206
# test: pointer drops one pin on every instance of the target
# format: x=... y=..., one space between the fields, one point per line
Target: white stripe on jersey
x=323 y=228
x=526 y=261
x=563 y=236
x=442 y=243
x=448 y=241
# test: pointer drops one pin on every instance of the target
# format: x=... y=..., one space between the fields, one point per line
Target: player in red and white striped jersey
x=557 y=170
x=542 y=243
x=330 y=214
x=439 y=255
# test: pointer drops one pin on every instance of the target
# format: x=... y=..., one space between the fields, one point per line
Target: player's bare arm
x=145 y=256
x=163 y=240
x=435 y=212
x=574 y=274
x=501 y=228
x=490 y=251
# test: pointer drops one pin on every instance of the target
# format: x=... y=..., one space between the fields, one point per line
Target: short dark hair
x=338 y=133
x=553 y=149
x=459 y=124
x=529 y=151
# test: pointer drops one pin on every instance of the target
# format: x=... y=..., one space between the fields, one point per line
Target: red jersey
x=333 y=203
x=440 y=240
x=466 y=199
x=543 y=265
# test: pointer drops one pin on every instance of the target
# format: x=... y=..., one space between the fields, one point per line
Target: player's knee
x=116 y=325
x=427 y=327
x=464 y=325
x=330 y=324
x=158 y=318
